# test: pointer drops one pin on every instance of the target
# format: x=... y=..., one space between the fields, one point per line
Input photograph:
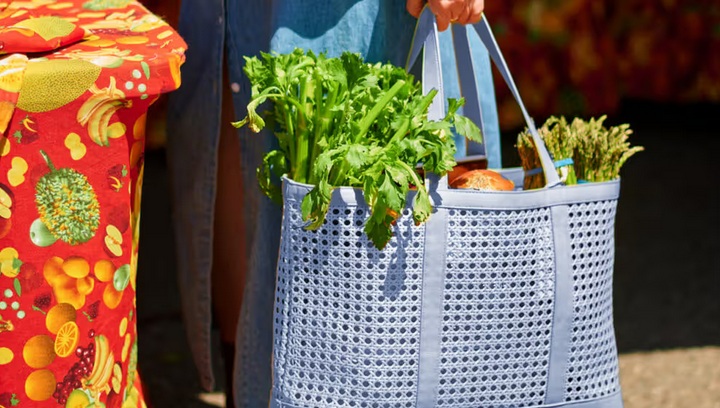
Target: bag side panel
x=351 y=313
x=593 y=363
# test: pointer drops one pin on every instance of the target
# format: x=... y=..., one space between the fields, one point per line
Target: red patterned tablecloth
x=76 y=80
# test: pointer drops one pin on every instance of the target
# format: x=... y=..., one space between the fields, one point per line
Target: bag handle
x=426 y=37
x=468 y=82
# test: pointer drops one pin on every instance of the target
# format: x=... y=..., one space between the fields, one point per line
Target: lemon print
x=39 y=351
x=13 y=12
x=133 y=267
x=126 y=348
x=60 y=6
x=6 y=203
x=11 y=72
x=76 y=147
x=9 y=262
x=111 y=297
x=165 y=34
x=104 y=270
x=116 y=130
x=40 y=385
x=16 y=174
x=123 y=326
x=133 y=40
x=76 y=267
x=52 y=270
x=6 y=355
x=97 y=5
x=132 y=399
x=48 y=27
x=102 y=42
x=85 y=285
x=51 y=84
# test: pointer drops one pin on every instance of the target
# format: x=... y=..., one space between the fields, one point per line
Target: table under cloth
x=76 y=80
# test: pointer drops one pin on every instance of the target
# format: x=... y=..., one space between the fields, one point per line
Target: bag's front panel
x=498 y=308
x=347 y=323
x=592 y=364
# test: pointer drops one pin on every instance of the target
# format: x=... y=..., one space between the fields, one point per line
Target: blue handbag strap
x=469 y=83
x=426 y=37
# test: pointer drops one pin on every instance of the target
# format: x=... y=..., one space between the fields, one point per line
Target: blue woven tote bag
x=502 y=299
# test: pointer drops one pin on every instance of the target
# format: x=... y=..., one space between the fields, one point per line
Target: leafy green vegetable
x=344 y=122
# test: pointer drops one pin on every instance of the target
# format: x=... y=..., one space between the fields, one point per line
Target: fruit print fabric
x=71 y=166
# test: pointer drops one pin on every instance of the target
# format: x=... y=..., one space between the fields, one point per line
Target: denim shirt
x=380 y=30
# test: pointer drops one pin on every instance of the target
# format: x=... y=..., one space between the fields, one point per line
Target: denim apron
x=380 y=30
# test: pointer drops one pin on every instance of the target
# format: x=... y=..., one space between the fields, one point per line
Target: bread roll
x=485 y=180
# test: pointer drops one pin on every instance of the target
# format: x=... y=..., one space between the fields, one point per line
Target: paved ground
x=667 y=284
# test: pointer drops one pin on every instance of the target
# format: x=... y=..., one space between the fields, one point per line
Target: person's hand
x=449 y=11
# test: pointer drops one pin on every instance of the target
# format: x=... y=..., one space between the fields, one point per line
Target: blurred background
x=654 y=64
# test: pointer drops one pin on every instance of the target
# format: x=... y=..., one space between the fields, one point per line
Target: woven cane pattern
x=593 y=365
x=498 y=309
x=347 y=321
x=348 y=317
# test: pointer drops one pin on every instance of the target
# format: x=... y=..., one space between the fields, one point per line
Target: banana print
x=97 y=111
x=99 y=379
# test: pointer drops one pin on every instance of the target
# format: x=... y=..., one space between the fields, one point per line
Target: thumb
x=415 y=7
x=443 y=23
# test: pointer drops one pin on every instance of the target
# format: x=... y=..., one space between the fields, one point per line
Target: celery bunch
x=344 y=122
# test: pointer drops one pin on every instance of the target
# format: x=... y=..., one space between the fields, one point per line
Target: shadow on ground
x=667 y=270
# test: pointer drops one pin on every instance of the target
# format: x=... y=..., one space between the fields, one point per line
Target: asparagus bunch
x=560 y=141
x=600 y=152
x=597 y=152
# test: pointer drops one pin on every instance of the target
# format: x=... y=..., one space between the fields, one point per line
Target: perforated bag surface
x=348 y=317
x=500 y=300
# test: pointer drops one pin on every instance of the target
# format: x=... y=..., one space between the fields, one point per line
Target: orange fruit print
x=66 y=339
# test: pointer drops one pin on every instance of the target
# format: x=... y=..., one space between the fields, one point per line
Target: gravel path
x=684 y=378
